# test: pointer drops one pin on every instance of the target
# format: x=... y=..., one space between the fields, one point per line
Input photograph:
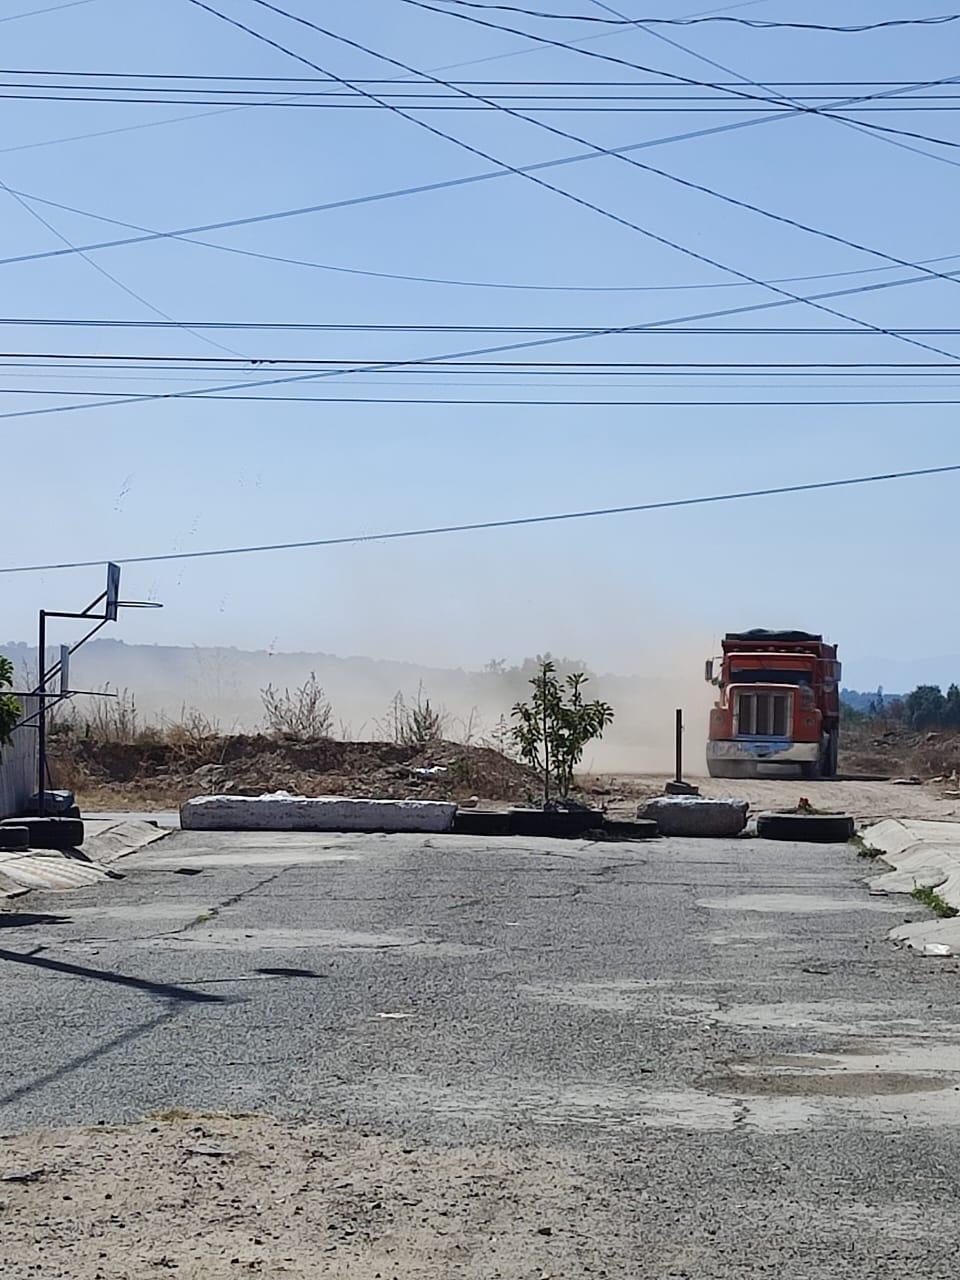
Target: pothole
x=823 y=1084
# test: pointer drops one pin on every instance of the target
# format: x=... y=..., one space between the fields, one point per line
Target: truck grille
x=764 y=715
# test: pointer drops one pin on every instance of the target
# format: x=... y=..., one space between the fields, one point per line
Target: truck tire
x=834 y=758
x=810 y=769
x=14 y=839
x=813 y=828
x=50 y=833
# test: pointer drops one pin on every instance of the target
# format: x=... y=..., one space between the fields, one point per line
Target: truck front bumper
x=763 y=750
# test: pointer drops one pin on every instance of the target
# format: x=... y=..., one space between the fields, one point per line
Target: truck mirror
x=708 y=671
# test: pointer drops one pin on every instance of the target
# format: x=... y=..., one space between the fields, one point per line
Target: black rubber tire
x=481 y=822
x=810 y=828
x=557 y=824
x=14 y=839
x=833 y=759
x=625 y=829
x=50 y=833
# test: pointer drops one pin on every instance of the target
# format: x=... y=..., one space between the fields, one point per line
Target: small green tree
x=554 y=727
x=10 y=710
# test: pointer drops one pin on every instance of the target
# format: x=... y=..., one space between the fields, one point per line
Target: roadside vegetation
x=9 y=706
x=103 y=748
x=930 y=898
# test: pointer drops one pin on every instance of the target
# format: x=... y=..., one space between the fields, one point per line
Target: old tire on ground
x=481 y=822
x=627 y=829
x=815 y=828
x=50 y=833
x=560 y=824
x=14 y=839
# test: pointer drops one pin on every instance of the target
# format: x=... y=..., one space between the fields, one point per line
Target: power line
x=101 y=270
x=198 y=115
x=790 y=104
x=475 y=526
x=55 y=8
x=479 y=401
x=859 y=126
x=93 y=359
x=578 y=200
x=696 y=21
x=411 y=81
x=652 y=326
x=189 y=233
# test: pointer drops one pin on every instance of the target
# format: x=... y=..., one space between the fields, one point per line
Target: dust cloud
x=224 y=684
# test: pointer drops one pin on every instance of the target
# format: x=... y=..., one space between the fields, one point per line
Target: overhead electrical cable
x=859 y=126
x=790 y=104
x=478 y=525
x=423 y=401
x=198 y=115
x=572 y=137
x=108 y=275
x=52 y=8
x=651 y=327
x=578 y=200
x=759 y=23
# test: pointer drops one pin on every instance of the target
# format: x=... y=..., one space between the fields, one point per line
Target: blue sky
x=625 y=592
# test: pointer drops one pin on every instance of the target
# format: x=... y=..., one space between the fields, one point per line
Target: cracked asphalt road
x=715 y=1035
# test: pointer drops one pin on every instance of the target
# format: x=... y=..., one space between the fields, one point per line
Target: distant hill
x=864 y=701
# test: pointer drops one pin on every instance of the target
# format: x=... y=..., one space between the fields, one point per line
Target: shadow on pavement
x=165 y=989
x=23 y=919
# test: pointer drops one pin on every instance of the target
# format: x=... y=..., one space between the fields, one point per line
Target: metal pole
x=42 y=715
x=679 y=745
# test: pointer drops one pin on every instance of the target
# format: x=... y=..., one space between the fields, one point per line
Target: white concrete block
x=696 y=815
x=283 y=812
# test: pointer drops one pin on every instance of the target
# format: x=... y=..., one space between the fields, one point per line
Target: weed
x=304 y=714
x=863 y=849
x=930 y=898
x=416 y=724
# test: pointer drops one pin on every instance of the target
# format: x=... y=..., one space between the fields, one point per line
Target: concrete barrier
x=283 y=812
x=923 y=854
x=696 y=815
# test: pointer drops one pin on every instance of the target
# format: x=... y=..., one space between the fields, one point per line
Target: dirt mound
x=893 y=750
x=163 y=772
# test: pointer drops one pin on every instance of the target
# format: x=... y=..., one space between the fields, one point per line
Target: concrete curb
x=22 y=872
x=923 y=854
x=283 y=812
x=121 y=839
x=51 y=871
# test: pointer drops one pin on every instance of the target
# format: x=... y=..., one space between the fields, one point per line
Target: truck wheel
x=834 y=754
x=810 y=769
x=815 y=828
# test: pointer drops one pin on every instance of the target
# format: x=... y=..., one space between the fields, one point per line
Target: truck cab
x=778 y=703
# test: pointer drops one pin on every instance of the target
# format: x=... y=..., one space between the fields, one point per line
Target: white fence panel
x=18 y=766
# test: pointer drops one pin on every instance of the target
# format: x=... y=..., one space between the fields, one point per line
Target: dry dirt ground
x=622 y=792
x=211 y=1197
x=163 y=773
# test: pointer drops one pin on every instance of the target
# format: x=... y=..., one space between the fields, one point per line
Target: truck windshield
x=769 y=675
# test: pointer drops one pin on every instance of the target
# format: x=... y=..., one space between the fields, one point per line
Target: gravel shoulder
x=863 y=800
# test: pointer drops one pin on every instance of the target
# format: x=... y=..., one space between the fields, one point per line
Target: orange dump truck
x=778 y=703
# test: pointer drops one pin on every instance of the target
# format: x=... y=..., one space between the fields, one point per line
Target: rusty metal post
x=679 y=745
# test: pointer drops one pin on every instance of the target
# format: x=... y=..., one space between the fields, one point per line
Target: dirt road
x=864 y=800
